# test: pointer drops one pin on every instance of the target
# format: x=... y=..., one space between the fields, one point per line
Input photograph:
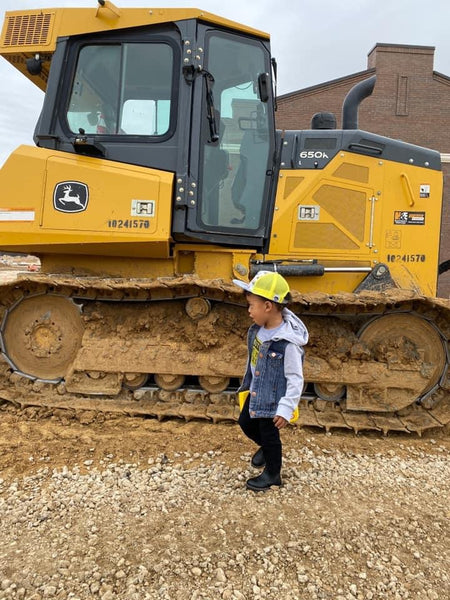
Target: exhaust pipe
x=353 y=99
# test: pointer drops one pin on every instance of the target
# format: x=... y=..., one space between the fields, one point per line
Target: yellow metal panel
x=322 y=235
x=27 y=32
x=344 y=205
x=342 y=221
x=25 y=29
x=330 y=283
x=290 y=184
x=352 y=172
x=21 y=191
x=213 y=262
x=111 y=266
x=209 y=265
x=410 y=225
x=76 y=21
x=107 y=226
x=363 y=211
x=112 y=189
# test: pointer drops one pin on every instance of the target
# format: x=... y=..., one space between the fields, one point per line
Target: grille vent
x=28 y=30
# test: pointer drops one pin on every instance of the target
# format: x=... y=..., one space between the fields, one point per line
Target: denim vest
x=269 y=382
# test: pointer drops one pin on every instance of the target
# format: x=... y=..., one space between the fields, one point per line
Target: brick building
x=410 y=101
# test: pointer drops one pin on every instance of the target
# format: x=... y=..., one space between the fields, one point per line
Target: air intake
x=28 y=30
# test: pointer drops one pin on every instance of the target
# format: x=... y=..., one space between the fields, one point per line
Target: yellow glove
x=242 y=397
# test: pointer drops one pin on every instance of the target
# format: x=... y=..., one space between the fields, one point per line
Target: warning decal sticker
x=424 y=191
x=142 y=208
x=308 y=213
x=407 y=217
x=20 y=214
x=393 y=239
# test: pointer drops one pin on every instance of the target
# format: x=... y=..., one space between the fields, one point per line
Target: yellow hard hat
x=267 y=284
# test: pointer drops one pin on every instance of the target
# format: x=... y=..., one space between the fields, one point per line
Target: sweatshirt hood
x=293 y=330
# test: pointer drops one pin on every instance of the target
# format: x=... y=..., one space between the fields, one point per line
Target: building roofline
x=327 y=84
x=441 y=77
x=410 y=46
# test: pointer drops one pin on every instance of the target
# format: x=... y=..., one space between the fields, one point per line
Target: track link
x=194 y=404
x=429 y=411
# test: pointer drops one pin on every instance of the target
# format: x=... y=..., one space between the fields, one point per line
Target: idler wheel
x=406 y=338
x=42 y=335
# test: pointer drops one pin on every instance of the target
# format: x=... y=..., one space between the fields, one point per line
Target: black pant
x=264 y=433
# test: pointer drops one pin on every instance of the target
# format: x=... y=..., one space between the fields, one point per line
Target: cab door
x=232 y=160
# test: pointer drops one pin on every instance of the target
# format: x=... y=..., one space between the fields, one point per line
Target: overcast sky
x=313 y=41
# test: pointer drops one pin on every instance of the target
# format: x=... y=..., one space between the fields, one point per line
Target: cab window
x=122 y=89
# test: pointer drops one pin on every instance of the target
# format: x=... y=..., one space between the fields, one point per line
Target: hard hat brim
x=242 y=284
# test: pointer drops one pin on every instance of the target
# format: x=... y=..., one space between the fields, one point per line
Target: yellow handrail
x=405 y=179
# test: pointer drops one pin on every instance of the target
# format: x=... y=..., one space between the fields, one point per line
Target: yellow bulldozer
x=157 y=177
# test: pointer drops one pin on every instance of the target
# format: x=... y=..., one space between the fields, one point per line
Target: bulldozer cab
x=188 y=97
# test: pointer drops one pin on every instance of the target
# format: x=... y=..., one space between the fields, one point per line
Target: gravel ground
x=136 y=509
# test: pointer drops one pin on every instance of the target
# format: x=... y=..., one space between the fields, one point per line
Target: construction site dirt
x=132 y=508
x=109 y=506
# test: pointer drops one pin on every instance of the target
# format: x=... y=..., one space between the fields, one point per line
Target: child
x=274 y=374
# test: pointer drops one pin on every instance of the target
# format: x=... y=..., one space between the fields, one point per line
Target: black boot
x=258 y=459
x=263 y=482
x=273 y=458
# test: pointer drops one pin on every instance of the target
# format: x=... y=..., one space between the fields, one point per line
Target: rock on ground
x=134 y=509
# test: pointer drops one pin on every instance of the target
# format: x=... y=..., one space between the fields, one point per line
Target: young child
x=274 y=374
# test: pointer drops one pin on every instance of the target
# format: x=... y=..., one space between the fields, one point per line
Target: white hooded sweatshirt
x=293 y=331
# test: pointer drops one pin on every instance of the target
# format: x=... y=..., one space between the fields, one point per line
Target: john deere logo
x=71 y=196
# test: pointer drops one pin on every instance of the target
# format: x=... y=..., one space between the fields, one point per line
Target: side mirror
x=34 y=65
x=264 y=86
